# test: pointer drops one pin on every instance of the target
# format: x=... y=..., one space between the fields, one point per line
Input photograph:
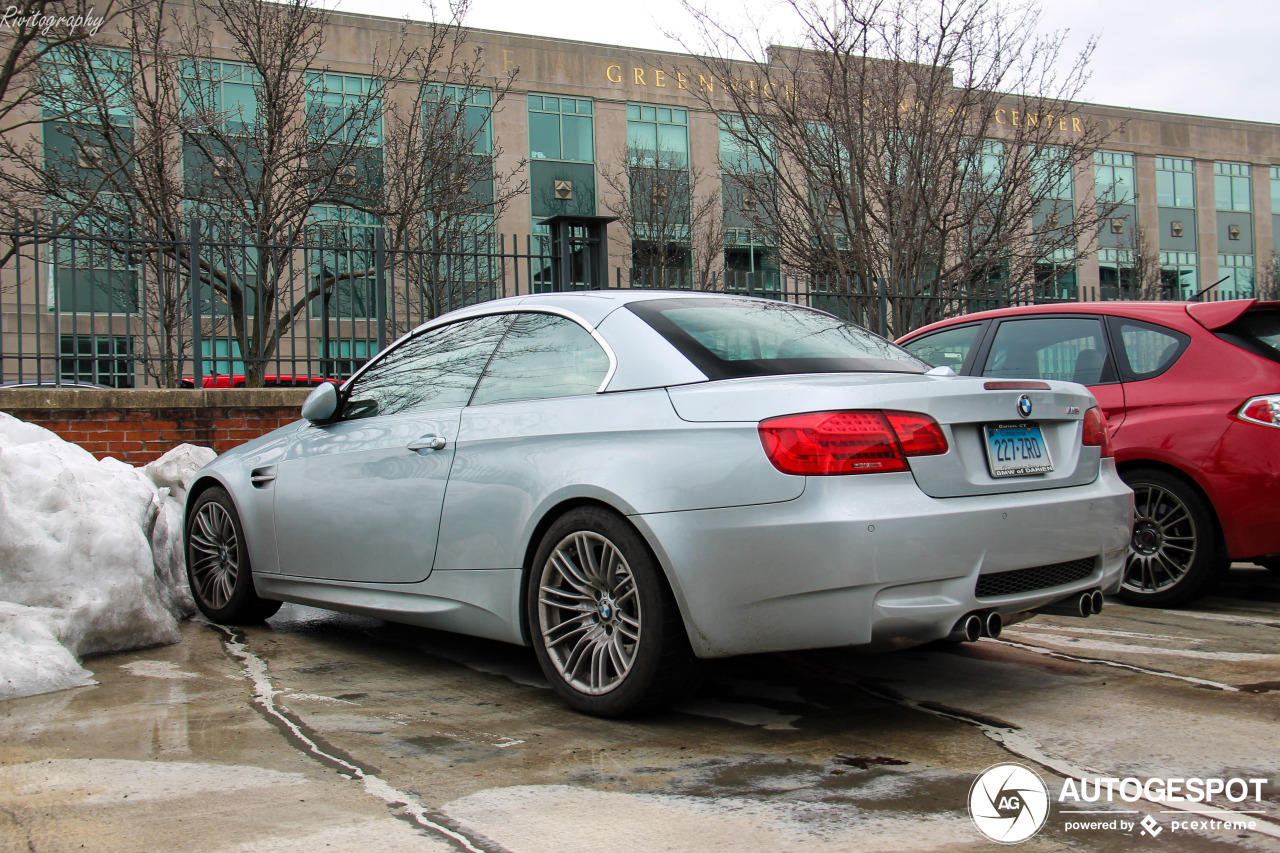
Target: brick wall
x=137 y=426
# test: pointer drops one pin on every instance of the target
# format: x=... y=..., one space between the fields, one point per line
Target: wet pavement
x=322 y=731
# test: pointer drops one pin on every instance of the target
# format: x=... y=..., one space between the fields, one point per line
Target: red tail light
x=1262 y=410
x=854 y=442
x=1095 y=431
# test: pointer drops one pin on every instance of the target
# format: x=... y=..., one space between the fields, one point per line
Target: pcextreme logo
x=1008 y=803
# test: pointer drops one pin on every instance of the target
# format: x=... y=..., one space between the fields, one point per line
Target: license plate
x=1017 y=450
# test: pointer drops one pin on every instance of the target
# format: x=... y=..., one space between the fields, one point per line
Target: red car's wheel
x=1175 y=554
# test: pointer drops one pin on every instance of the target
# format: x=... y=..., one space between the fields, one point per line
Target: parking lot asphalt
x=323 y=731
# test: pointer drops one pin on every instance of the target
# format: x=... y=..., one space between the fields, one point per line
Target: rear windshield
x=1256 y=331
x=728 y=338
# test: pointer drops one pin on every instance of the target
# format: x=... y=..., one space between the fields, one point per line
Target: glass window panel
x=1164 y=189
x=649 y=113
x=436 y=369
x=1184 y=194
x=1149 y=349
x=1222 y=192
x=551 y=104
x=664 y=115
x=633 y=111
x=584 y=108
x=577 y=138
x=673 y=145
x=1062 y=348
x=543 y=356
x=544 y=136
x=642 y=137
x=679 y=116
x=949 y=347
x=535 y=102
x=1240 y=194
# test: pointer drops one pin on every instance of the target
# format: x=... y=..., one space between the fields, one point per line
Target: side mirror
x=321 y=403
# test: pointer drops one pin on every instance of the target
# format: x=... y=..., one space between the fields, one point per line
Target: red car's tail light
x=1262 y=410
x=853 y=442
x=1095 y=431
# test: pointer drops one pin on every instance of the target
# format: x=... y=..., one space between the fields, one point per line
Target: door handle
x=427 y=442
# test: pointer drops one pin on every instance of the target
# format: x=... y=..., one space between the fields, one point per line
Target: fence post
x=380 y=292
x=882 y=300
x=193 y=281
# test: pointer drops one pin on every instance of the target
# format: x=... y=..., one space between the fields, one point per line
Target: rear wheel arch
x=1166 y=566
x=550 y=517
x=1173 y=470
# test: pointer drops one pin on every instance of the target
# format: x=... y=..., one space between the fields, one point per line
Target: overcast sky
x=1186 y=56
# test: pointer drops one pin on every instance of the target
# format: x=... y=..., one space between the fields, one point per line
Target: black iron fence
x=211 y=304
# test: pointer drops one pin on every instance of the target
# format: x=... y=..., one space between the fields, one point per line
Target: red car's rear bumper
x=1242 y=476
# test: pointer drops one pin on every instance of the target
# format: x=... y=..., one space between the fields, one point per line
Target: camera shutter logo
x=1008 y=803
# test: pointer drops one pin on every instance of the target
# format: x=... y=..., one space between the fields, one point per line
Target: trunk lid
x=962 y=405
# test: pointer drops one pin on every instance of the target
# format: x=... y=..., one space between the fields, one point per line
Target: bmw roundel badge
x=1024 y=406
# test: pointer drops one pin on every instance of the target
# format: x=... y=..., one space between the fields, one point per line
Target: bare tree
x=442 y=188
x=668 y=218
x=922 y=145
x=31 y=36
x=223 y=114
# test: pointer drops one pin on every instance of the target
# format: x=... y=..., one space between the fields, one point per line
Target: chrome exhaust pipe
x=967 y=630
x=1095 y=601
x=1079 y=605
x=992 y=625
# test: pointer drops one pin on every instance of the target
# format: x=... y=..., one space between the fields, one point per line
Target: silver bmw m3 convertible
x=631 y=481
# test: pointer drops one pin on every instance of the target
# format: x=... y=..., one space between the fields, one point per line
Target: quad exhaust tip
x=967 y=630
x=1081 y=605
x=992 y=625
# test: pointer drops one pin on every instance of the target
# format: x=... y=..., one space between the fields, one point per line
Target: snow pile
x=90 y=555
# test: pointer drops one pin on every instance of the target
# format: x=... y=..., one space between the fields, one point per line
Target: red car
x=1191 y=392
x=238 y=381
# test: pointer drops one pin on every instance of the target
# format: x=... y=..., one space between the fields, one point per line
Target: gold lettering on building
x=1014 y=114
x=508 y=60
x=639 y=75
x=1000 y=120
x=658 y=80
x=681 y=80
x=613 y=73
x=1075 y=126
x=707 y=84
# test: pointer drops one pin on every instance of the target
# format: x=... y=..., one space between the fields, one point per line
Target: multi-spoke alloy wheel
x=589 y=613
x=215 y=551
x=604 y=624
x=1174 y=552
x=218 y=562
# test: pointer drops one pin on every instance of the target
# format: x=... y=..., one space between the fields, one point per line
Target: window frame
x=345 y=390
x=1110 y=373
x=979 y=339
x=568 y=316
x=1127 y=373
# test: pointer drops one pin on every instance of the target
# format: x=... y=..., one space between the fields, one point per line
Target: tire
x=1176 y=553
x=218 y=563
x=604 y=624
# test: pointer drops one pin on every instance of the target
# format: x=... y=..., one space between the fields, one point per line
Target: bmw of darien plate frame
x=632 y=481
x=1017 y=450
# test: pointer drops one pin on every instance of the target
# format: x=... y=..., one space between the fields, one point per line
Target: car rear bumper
x=859 y=562
x=1242 y=477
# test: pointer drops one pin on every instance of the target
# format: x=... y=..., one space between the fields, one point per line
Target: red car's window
x=1072 y=349
x=1149 y=350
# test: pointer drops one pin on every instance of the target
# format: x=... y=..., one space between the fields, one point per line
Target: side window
x=542 y=356
x=946 y=348
x=1149 y=350
x=1072 y=349
x=437 y=369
